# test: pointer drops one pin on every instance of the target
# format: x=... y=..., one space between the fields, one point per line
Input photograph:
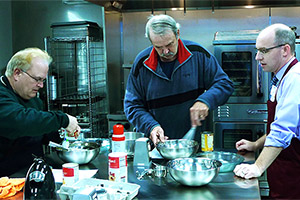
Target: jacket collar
x=182 y=55
x=5 y=81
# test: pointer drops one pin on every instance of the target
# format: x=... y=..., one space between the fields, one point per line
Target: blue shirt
x=286 y=123
x=167 y=67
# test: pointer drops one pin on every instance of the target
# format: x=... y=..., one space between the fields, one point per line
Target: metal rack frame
x=77 y=81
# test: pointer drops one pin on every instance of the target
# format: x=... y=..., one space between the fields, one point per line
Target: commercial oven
x=238 y=121
x=244 y=116
x=235 y=52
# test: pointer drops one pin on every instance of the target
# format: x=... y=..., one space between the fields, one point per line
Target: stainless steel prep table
x=225 y=186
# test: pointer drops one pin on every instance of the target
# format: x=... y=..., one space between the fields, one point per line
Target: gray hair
x=285 y=35
x=160 y=23
x=22 y=60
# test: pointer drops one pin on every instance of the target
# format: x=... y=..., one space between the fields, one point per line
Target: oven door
x=238 y=61
x=228 y=133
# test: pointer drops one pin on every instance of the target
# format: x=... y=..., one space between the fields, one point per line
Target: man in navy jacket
x=173 y=84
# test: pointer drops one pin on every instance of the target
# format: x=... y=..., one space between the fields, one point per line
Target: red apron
x=284 y=173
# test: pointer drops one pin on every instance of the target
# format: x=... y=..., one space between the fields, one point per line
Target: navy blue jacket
x=153 y=99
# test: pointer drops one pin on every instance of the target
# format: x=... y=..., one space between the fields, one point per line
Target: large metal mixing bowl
x=179 y=148
x=130 y=138
x=228 y=159
x=80 y=152
x=193 y=171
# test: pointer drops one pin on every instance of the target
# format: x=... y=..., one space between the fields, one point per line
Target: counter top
x=224 y=186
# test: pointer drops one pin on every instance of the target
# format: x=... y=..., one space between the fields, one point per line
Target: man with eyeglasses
x=24 y=126
x=281 y=146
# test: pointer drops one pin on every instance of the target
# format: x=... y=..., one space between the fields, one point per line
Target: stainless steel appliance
x=77 y=78
x=244 y=116
x=231 y=132
x=235 y=51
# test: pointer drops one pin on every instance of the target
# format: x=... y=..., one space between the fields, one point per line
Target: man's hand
x=247 y=171
x=245 y=145
x=73 y=129
x=198 y=112
x=157 y=135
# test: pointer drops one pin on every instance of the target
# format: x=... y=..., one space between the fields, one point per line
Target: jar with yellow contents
x=207 y=141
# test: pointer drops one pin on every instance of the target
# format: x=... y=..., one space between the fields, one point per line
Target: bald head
x=280 y=34
x=276 y=47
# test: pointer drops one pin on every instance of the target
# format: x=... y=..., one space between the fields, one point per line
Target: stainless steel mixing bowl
x=193 y=171
x=80 y=152
x=228 y=159
x=130 y=138
x=178 y=148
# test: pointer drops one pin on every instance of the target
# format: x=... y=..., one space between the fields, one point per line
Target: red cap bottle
x=118 y=129
x=118 y=138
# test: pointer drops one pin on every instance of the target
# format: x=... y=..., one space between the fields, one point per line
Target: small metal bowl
x=193 y=171
x=178 y=148
x=80 y=152
x=228 y=159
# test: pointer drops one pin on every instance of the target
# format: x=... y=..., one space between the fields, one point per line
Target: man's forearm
x=259 y=144
x=267 y=156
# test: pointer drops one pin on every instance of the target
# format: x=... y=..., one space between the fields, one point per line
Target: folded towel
x=10 y=186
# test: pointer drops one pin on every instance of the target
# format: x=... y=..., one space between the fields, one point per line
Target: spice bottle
x=118 y=139
x=207 y=141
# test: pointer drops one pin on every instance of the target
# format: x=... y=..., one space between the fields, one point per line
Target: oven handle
x=255 y=112
x=258 y=80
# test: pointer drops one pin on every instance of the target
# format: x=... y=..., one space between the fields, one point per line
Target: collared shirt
x=286 y=124
x=279 y=77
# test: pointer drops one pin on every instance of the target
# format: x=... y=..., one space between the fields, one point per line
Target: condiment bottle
x=66 y=143
x=207 y=141
x=118 y=139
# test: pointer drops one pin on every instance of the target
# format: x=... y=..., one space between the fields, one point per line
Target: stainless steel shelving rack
x=77 y=78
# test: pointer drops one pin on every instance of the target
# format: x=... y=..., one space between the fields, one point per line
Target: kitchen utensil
x=130 y=138
x=80 y=152
x=59 y=146
x=141 y=174
x=193 y=171
x=190 y=135
x=160 y=171
x=228 y=159
x=141 y=153
x=39 y=182
x=177 y=148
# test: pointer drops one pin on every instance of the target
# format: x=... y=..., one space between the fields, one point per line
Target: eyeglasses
x=38 y=80
x=266 y=50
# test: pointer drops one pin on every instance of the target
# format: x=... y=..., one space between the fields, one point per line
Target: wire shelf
x=77 y=81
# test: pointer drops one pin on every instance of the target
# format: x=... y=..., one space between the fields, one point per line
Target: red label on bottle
x=68 y=172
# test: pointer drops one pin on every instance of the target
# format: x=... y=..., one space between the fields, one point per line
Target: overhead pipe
x=152 y=9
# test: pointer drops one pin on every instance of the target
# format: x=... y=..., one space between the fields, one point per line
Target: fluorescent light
x=174 y=9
